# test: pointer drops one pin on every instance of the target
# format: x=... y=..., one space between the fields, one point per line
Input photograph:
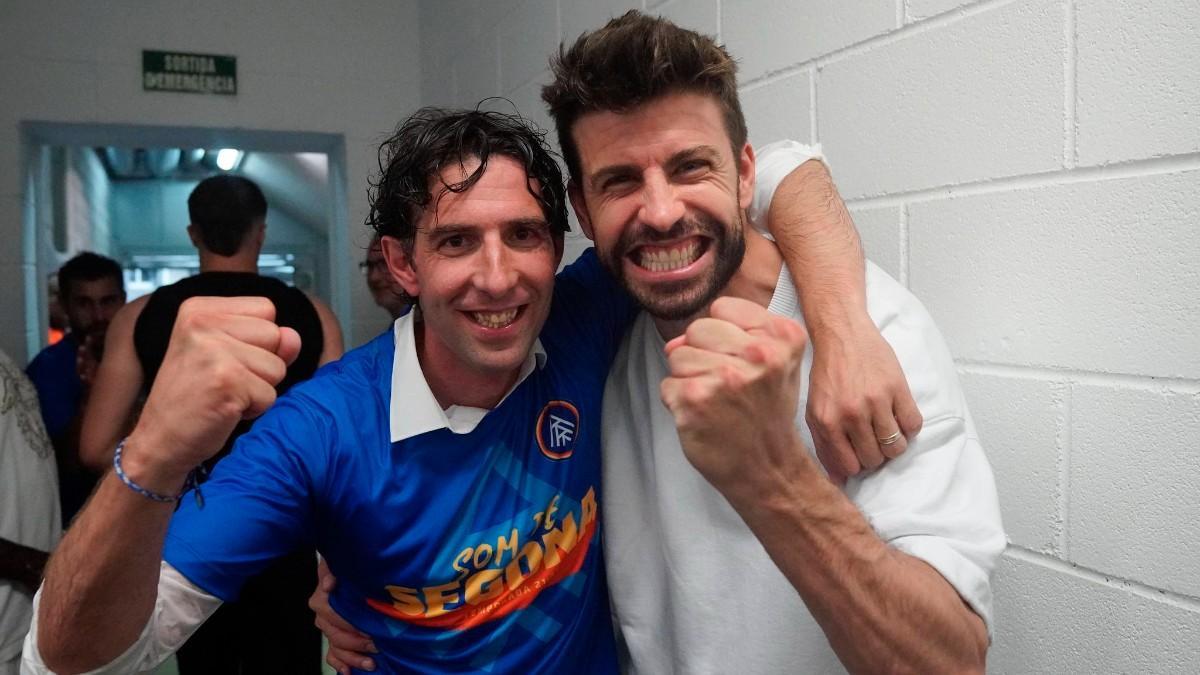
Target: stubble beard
x=678 y=300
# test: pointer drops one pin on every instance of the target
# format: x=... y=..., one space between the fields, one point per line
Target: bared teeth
x=494 y=319
x=665 y=260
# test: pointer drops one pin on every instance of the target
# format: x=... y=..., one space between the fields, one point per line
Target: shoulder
x=918 y=343
x=50 y=360
x=132 y=309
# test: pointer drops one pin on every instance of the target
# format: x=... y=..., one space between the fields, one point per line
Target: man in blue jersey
x=448 y=470
x=715 y=511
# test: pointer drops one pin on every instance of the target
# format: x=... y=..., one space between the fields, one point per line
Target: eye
x=529 y=234
x=692 y=166
x=616 y=182
x=453 y=242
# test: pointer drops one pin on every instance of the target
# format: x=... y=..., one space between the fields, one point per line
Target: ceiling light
x=227 y=158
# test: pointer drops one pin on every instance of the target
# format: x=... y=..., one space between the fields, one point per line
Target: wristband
x=194 y=478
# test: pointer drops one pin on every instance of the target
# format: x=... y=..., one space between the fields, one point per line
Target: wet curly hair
x=434 y=138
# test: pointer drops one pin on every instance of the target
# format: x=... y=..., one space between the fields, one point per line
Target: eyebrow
x=695 y=152
x=459 y=228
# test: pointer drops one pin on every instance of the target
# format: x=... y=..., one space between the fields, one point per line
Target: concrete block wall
x=1031 y=170
x=306 y=66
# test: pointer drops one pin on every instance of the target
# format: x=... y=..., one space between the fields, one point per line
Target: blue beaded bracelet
x=194 y=478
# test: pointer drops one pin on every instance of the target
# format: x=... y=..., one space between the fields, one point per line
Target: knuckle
x=848 y=412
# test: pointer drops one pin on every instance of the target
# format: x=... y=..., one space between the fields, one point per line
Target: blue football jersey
x=455 y=552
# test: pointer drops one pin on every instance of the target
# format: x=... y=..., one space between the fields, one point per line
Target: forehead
x=650 y=132
x=501 y=194
x=94 y=288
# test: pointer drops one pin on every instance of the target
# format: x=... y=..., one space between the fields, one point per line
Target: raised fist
x=222 y=364
x=733 y=390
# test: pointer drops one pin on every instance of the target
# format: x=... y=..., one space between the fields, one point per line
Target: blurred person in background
x=385 y=290
x=270 y=628
x=29 y=509
x=91 y=290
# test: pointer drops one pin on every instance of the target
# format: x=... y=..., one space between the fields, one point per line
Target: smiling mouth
x=668 y=258
x=495 y=319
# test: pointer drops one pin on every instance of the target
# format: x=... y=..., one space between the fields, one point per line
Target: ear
x=399 y=264
x=193 y=235
x=580 y=205
x=745 y=176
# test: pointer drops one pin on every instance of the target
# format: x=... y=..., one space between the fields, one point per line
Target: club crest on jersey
x=557 y=429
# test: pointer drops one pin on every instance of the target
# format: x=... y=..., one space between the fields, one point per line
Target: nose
x=661 y=206
x=496 y=274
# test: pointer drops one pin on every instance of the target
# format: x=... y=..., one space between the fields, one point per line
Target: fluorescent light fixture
x=227 y=158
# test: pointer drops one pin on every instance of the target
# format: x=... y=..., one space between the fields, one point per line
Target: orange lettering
x=482 y=586
x=436 y=598
x=406 y=600
x=503 y=544
x=513 y=574
x=563 y=538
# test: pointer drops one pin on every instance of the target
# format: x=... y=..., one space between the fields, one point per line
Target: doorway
x=121 y=191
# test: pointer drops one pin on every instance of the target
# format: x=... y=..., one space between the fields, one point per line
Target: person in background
x=29 y=508
x=385 y=290
x=270 y=627
x=92 y=290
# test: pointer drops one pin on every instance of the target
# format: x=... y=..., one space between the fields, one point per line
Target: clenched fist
x=222 y=364
x=733 y=390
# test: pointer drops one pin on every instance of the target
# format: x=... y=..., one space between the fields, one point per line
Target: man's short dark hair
x=87 y=266
x=633 y=59
x=433 y=139
x=223 y=209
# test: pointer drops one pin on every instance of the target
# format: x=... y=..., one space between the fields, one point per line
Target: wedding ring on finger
x=890 y=440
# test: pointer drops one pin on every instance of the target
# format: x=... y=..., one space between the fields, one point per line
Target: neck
x=754 y=281
x=452 y=385
x=242 y=261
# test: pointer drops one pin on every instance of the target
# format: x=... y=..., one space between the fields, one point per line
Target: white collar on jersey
x=413 y=410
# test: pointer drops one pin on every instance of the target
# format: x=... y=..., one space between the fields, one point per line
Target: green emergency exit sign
x=191 y=73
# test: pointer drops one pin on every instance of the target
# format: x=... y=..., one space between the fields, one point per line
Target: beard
x=676 y=300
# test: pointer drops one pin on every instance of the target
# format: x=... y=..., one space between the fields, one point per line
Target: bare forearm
x=881 y=610
x=102 y=581
x=818 y=240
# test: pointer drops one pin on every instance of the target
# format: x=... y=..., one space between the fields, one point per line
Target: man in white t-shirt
x=29 y=510
x=728 y=549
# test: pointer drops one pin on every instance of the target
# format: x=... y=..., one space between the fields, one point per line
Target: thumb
x=289 y=345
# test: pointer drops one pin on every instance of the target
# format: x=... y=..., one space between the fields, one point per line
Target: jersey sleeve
x=591 y=308
x=258 y=504
x=773 y=163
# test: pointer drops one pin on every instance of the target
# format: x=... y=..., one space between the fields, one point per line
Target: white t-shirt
x=29 y=511
x=694 y=591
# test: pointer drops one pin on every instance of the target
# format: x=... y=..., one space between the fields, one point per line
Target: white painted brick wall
x=1031 y=168
x=1054 y=620
x=978 y=97
x=1133 y=508
x=1139 y=79
x=879 y=229
x=779 y=108
x=1022 y=424
x=1097 y=275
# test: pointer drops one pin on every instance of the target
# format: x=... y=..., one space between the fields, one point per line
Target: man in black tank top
x=270 y=628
